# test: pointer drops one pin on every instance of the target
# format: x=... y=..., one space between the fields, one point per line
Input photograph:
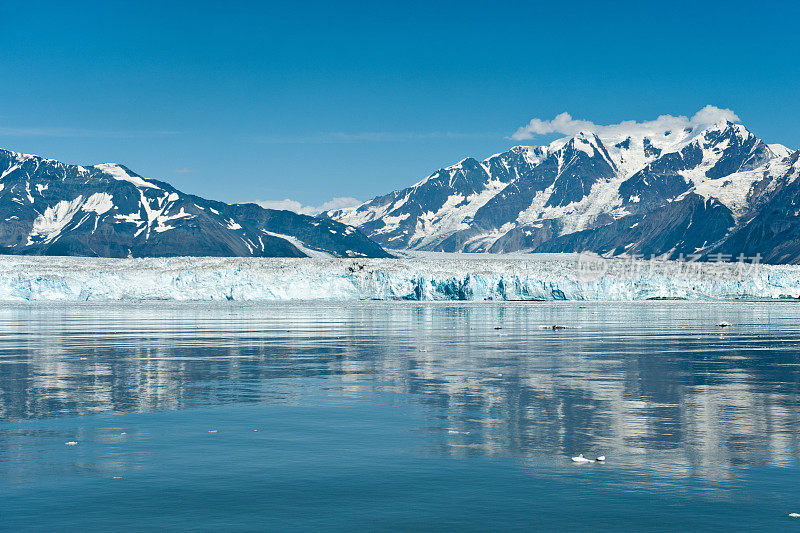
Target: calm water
x=399 y=416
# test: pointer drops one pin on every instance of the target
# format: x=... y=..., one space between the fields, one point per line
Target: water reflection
x=642 y=382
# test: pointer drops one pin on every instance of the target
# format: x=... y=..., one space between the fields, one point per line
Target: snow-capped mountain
x=50 y=208
x=696 y=189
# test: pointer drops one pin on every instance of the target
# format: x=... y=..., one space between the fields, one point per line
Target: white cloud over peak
x=340 y=202
x=565 y=124
x=711 y=115
x=293 y=205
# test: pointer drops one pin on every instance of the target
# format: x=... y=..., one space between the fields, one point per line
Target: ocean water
x=399 y=416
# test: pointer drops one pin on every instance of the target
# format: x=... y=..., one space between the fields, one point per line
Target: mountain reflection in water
x=638 y=381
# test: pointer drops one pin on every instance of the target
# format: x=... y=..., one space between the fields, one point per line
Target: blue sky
x=310 y=101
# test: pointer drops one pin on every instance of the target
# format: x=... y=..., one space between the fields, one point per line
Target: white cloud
x=339 y=202
x=565 y=124
x=711 y=115
x=293 y=205
x=286 y=205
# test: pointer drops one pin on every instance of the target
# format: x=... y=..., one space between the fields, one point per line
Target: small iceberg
x=581 y=459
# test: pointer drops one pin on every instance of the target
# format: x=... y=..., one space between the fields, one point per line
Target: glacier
x=421 y=276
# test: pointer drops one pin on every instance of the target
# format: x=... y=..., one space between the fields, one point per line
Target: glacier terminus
x=417 y=276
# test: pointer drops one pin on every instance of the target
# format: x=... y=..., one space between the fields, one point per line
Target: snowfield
x=426 y=277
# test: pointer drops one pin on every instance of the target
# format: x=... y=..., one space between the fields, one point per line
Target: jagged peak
x=532 y=154
x=21 y=157
x=726 y=127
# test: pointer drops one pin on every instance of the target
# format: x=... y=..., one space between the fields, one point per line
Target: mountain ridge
x=590 y=191
x=107 y=210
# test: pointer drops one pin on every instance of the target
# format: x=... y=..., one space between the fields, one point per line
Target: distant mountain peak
x=107 y=210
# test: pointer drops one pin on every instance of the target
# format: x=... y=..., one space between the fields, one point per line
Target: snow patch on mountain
x=99 y=202
x=119 y=173
x=452 y=215
x=300 y=245
x=49 y=224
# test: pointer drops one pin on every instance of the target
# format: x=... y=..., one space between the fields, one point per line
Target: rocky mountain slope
x=696 y=190
x=50 y=208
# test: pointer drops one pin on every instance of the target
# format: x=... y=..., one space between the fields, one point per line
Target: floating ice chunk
x=601 y=458
x=71 y=443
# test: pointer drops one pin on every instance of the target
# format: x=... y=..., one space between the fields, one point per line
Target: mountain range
x=703 y=191
x=106 y=210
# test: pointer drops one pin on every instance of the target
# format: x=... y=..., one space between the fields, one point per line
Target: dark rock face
x=49 y=208
x=662 y=178
x=773 y=232
x=737 y=153
x=574 y=179
x=692 y=191
x=677 y=229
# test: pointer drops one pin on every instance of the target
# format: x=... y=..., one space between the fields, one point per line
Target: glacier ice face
x=427 y=277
